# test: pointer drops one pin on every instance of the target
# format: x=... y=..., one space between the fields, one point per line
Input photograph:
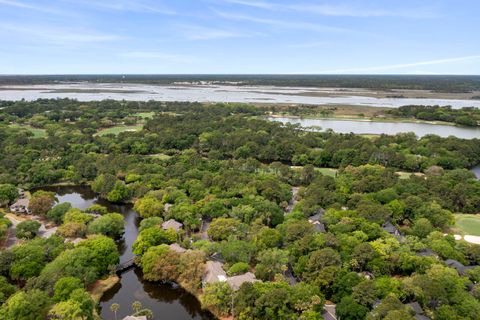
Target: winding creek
x=167 y=301
x=376 y=127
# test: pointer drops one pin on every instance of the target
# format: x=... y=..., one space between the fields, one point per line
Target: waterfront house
x=236 y=282
x=213 y=272
x=172 y=224
x=21 y=206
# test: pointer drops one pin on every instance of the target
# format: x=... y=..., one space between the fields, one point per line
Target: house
x=172 y=224
x=166 y=207
x=21 y=206
x=318 y=226
x=427 y=253
x=461 y=269
x=317 y=216
x=329 y=312
x=419 y=313
x=390 y=228
x=213 y=272
x=21 y=193
x=236 y=282
x=175 y=247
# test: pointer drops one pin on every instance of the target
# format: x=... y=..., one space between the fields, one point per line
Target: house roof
x=175 y=247
x=426 y=253
x=318 y=227
x=237 y=281
x=389 y=227
x=455 y=264
x=329 y=312
x=24 y=202
x=415 y=307
x=317 y=216
x=214 y=272
x=172 y=224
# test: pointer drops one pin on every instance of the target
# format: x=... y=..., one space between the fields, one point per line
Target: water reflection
x=167 y=301
x=391 y=128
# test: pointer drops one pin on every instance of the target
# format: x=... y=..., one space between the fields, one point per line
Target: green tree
x=27 y=229
x=77 y=216
x=217 y=296
x=149 y=207
x=271 y=262
x=223 y=228
x=110 y=224
x=153 y=236
x=6 y=289
x=57 y=213
x=8 y=194
x=41 y=202
x=31 y=305
x=65 y=286
x=119 y=192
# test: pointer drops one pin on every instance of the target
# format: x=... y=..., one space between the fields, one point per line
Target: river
x=167 y=301
x=391 y=128
x=84 y=91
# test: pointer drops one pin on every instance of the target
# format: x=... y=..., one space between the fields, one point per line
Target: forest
x=375 y=239
x=464 y=117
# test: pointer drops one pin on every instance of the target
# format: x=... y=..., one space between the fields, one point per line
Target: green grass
x=118 y=129
x=145 y=115
x=161 y=156
x=467 y=224
x=327 y=171
x=37 y=133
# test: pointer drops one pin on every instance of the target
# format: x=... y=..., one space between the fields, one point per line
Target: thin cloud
x=336 y=10
x=124 y=5
x=28 y=6
x=58 y=36
x=405 y=65
x=282 y=23
x=193 y=32
x=157 y=56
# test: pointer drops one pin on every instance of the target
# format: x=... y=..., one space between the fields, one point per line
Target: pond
x=391 y=128
x=167 y=301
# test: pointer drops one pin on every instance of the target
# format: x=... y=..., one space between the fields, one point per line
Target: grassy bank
x=467 y=224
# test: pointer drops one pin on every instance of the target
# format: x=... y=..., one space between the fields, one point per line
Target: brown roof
x=214 y=272
x=175 y=247
x=236 y=281
x=172 y=224
x=22 y=202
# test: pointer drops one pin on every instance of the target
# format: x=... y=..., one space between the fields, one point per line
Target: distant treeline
x=384 y=82
x=465 y=116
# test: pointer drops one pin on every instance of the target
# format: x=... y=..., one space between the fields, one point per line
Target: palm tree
x=136 y=306
x=114 y=308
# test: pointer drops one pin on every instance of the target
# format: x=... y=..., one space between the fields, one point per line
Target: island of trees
x=299 y=223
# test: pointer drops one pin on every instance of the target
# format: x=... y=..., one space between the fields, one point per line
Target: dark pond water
x=167 y=301
x=391 y=128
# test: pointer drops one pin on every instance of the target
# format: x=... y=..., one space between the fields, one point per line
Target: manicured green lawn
x=468 y=224
x=37 y=133
x=145 y=115
x=119 y=129
x=327 y=171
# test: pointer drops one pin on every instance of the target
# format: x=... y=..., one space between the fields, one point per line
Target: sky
x=239 y=37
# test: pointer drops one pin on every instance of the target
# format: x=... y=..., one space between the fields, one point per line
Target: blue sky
x=240 y=36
